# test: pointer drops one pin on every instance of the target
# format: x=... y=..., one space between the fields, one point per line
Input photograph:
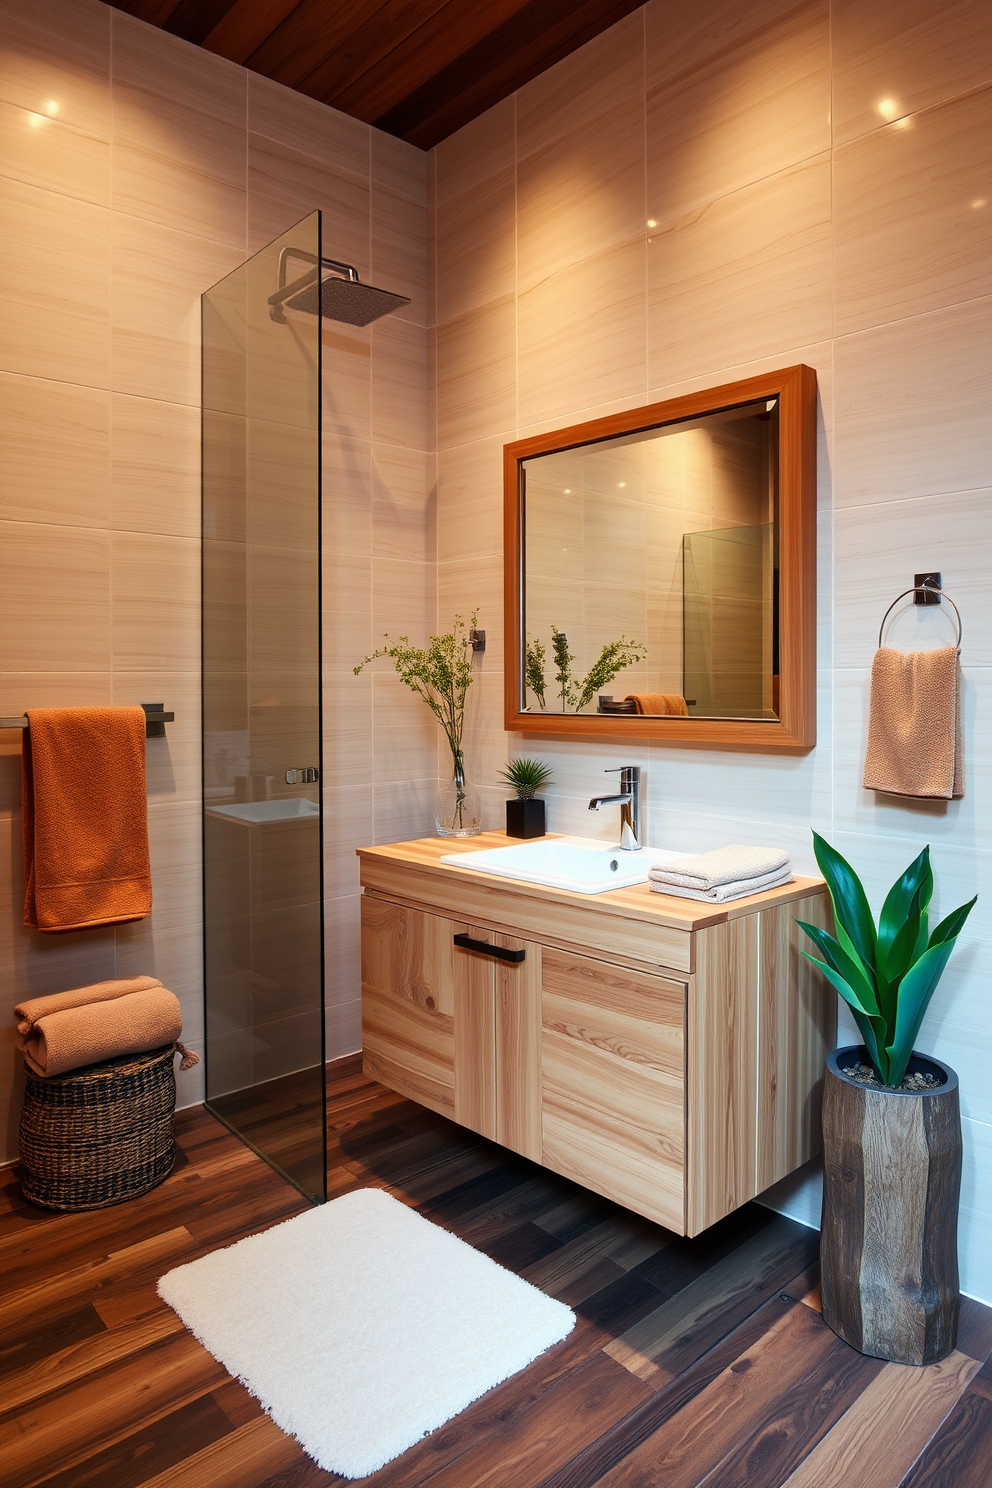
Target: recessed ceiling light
x=652 y=222
x=887 y=107
x=51 y=107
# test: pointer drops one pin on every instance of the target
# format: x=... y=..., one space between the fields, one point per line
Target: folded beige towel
x=87 y=1034
x=914 y=724
x=29 y=1012
x=724 y=866
x=721 y=893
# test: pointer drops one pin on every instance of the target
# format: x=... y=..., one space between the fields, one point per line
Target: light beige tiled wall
x=818 y=183
x=135 y=171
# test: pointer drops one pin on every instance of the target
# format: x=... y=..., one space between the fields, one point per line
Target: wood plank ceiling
x=419 y=69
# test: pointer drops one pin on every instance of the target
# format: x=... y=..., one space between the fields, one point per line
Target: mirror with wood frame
x=660 y=571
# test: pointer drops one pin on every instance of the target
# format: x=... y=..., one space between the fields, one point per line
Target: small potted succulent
x=525 y=815
x=891 y=1123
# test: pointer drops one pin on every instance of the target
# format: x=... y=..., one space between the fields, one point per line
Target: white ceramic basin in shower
x=582 y=864
x=292 y=809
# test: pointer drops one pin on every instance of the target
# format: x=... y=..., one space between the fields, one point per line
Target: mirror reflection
x=650 y=571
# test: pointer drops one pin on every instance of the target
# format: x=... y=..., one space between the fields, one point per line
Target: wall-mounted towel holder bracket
x=156 y=717
x=926 y=590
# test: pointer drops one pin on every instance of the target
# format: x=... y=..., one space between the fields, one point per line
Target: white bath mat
x=361 y=1326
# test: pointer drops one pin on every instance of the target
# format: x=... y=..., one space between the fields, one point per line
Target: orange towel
x=671 y=703
x=102 y=1030
x=28 y=1013
x=914 y=724
x=85 y=818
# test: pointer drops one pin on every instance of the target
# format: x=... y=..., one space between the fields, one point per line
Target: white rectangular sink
x=292 y=809
x=582 y=864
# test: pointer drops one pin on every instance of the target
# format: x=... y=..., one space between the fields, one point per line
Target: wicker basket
x=99 y=1135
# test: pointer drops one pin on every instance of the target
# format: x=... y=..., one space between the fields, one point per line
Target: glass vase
x=458 y=811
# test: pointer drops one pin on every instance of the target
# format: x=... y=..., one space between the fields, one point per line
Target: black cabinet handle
x=502 y=953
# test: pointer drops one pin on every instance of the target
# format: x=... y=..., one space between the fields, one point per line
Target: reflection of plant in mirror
x=527 y=777
x=535 y=670
x=886 y=976
x=614 y=657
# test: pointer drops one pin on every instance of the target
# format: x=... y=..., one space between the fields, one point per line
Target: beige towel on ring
x=914 y=724
x=102 y=1030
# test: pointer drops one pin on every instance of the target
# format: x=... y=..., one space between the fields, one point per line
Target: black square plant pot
x=525 y=818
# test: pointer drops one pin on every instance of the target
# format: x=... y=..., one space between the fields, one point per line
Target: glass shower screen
x=262 y=893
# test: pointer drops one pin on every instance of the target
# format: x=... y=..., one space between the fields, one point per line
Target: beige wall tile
x=749 y=273
x=54 y=285
x=474 y=584
x=913 y=414
x=475 y=245
x=54 y=452
x=285 y=185
x=399 y=167
x=158 y=277
x=485 y=740
x=155 y=465
x=53 y=53
x=172 y=764
x=913 y=215
x=347 y=497
x=347 y=826
x=481 y=148
x=878 y=549
x=42 y=151
x=581 y=193
x=405 y=743
x=748 y=113
x=589 y=81
x=54 y=597
x=581 y=335
x=679 y=39
x=179 y=143
x=404 y=810
x=399 y=250
x=342 y=967
x=476 y=374
x=905 y=55
x=343 y=1029
x=22 y=690
x=347 y=727
x=403 y=504
x=347 y=610
x=308 y=126
x=470 y=500
x=404 y=601
x=399 y=383
x=156 y=602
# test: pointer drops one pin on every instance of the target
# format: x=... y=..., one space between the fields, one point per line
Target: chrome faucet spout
x=628 y=799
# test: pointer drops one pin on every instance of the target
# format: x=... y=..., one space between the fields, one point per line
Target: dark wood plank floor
x=694 y=1361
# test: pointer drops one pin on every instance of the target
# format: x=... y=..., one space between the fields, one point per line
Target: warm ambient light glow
x=980 y=201
x=35 y=121
x=51 y=107
x=652 y=222
x=887 y=107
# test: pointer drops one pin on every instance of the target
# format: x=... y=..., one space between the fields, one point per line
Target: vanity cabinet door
x=613 y=1082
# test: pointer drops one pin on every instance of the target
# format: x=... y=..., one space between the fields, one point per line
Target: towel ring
x=919 y=589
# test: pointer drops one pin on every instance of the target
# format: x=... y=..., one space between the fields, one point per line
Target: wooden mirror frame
x=795 y=728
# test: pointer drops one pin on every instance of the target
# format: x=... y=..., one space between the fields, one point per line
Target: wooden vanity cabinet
x=678 y=1091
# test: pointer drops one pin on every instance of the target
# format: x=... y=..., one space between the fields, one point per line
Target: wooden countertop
x=637 y=903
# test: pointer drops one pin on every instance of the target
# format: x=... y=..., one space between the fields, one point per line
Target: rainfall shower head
x=340 y=295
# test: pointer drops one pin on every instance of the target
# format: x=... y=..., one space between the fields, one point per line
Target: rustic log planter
x=888 y=1246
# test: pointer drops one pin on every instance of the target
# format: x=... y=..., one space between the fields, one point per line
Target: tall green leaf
x=899 y=922
x=950 y=928
x=845 y=964
x=871 y=1025
x=915 y=992
x=852 y=912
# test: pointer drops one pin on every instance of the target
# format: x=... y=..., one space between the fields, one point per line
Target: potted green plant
x=891 y=1123
x=441 y=673
x=525 y=814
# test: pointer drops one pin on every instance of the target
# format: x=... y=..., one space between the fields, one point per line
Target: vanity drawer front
x=613 y=1082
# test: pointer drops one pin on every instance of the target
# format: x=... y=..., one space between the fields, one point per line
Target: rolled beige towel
x=89 y=1033
x=29 y=1012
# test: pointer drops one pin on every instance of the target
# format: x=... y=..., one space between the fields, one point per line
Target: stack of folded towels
x=89 y=1024
x=728 y=873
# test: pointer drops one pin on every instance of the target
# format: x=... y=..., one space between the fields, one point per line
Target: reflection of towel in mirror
x=659 y=703
x=727 y=873
x=914 y=724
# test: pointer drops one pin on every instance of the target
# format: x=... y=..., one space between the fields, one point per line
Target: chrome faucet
x=629 y=801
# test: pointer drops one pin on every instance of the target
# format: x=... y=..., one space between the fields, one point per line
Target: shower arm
x=286 y=291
